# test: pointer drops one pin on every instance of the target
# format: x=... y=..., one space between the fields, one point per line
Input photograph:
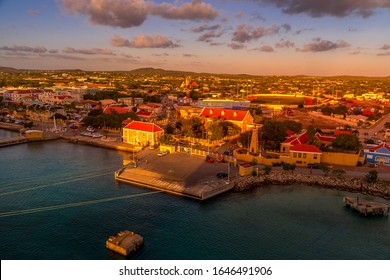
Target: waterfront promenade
x=186 y=175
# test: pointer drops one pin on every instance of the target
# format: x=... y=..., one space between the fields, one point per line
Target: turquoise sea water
x=59 y=201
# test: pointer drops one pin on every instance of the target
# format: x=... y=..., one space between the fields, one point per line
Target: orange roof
x=143 y=126
x=223 y=114
x=305 y=149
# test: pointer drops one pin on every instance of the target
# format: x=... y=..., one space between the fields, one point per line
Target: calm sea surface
x=59 y=201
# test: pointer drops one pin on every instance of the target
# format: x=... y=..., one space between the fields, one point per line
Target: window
x=294 y=154
x=299 y=155
x=369 y=156
x=304 y=155
x=315 y=156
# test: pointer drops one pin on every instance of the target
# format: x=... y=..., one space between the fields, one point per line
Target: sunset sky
x=261 y=37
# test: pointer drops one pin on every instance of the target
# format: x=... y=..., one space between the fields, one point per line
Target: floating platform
x=366 y=207
x=125 y=242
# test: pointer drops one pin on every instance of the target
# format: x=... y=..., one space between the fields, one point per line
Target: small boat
x=125 y=242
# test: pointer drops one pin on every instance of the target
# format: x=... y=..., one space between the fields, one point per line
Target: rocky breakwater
x=380 y=189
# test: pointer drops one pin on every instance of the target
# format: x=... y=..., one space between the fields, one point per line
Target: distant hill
x=7 y=69
x=158 y=71
x=10 y=69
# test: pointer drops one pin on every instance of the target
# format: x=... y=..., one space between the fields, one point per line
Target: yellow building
x=302 y=155
x=34 y=134
x=241 y=118
x=142 y=133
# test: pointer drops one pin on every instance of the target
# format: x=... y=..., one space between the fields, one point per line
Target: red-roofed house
x=238 y=117
x=378 y=154
x=146 y=116
x=302 y=155
x=116 y=110
x=142 y=133
x=151 y=107
x=338 y=132
x=296 y=139
x=325 y=139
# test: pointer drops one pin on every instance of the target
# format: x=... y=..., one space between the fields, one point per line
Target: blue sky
x=262 y=37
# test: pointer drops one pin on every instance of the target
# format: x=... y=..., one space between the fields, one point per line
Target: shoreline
x=350 y=184
x=356 y=185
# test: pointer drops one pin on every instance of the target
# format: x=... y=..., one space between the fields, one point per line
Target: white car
x=161 y=154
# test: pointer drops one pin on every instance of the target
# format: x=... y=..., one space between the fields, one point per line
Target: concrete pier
x=366 y=207
x=125 y=242
x=4 y=142
x=177 y=174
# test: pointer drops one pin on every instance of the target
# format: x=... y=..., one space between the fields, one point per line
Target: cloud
x=319 y=45
x=384 y=54
x=236 y=46
x=336 y=8
x=205 y=27
x=240 y=14
x=196 y=10
x=285 y=44
x=265 y=48
x=32 y=12
x=110 y=12
x=122 y=13
x=245 y=33
x=144 y=41
x=16 y=48
x=208 y=36
x=189 y=55
x=385 y=47
x=300 y=31
x=91 y=51
x=160 y=54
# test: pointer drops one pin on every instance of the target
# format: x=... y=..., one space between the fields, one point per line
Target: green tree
x=325 y=169
x=267 y=169
x=338 y=172
x=347 y=142
x=215 y=130
x=288 y=166
x=371 y=176
x=274 y=133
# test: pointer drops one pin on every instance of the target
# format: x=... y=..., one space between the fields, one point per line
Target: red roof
x=291 y=133
x=151 y=105
x=305 y=149
x=325 y=138
x=223 y=114
x=297 y=139
x=383 y=145
x=143 y=126
x=338 y=132
x=116 y=110
x=143 y=113
x=368 y=113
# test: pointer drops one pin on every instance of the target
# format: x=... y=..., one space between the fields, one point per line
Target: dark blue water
x=271 y=223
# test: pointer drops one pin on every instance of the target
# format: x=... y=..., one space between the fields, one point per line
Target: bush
x=338 y=172
x=267 y=169
x=371 y=176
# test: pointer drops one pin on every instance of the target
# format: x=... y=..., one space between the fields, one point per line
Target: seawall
x=380 y=189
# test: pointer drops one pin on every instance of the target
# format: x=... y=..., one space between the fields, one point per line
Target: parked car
x=313 y=166
x=161 y=154
x=222 y=175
